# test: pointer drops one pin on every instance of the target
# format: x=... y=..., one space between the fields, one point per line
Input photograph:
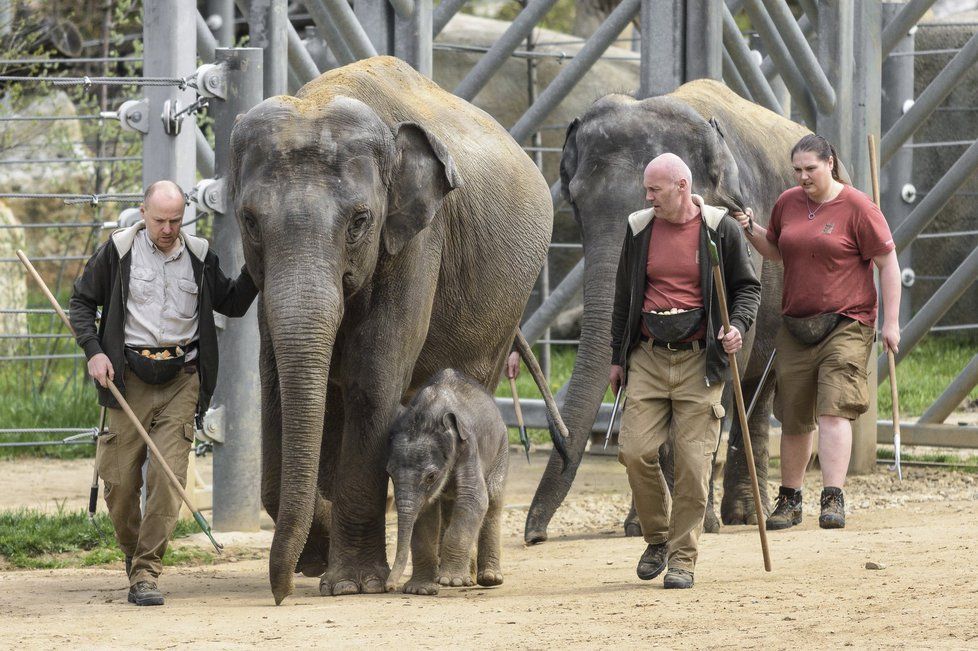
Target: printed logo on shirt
x=828 y=228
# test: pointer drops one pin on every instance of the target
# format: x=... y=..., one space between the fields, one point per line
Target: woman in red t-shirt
x=828 y=235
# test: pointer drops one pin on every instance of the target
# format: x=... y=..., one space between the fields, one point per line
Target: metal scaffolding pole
x=814 y=73
x=835 y=54
x=331 y=34
x=953 y=395
x=782 y=59
x=339 y=14
x=377 y=19
x=704 y=39
x=897 y=88
x=205 y=155
x=404 y=8
x=898 y=25
x=537 y=324
x=443 y=14
x=936 y=198
x=223 y=10
x=300 y=60
x=505 y=45
x=169 y=51
x=741 y=57
x=412 y=38
x=864 y=88
x=565 y=81
x=935 y=308
x=267 y=21
x=663 y=67
x=237 y=460
x=935 y=93
x=206 y=43
x=732 y=78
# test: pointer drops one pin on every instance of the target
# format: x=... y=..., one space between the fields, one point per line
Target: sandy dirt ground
x=578 y=590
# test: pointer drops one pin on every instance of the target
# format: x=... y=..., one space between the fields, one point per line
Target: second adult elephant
x=738 y=154
x=394 y=230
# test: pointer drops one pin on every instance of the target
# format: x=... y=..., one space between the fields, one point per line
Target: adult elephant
x=738 y=154
x=394 y=230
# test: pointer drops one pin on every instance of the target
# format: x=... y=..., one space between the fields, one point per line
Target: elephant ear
x=424 y=173
x=568 y=160
x=451 y=425
x=724 y=172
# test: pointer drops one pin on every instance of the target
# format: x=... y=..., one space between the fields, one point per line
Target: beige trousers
x=667 y=389
x=167 y=413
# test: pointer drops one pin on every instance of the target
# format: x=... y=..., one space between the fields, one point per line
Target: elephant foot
x=310 y=563
x=490 y=576
x=420 y=587
x=738 y=511
x=454 y=579
x=711 y=524
x=343 y=582
x=632 y=528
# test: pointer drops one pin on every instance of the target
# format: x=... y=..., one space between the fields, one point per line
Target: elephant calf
x=448 y=458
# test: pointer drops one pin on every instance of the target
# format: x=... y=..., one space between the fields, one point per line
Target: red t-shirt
x=827 y=260
x=672 y=271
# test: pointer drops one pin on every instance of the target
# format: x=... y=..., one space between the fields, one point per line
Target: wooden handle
x=516 y=402
x=894 y=394
x=742 y=415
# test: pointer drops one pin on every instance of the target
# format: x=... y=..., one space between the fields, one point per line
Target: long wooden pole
x=890 y=359
x=128 y=411
x=524 y=438
x=741 y=411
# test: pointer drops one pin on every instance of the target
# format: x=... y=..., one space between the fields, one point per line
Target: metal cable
x=524 y=54
x=49 y=430
x=30 y=62
x=30 y=358
x=70 y=199
x=69 y=161
x=60 y=225
x=104 y=81
x=52 y=118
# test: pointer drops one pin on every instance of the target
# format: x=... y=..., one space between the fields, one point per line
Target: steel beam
x=377 y=19
x=222 y=10
x=169 y=51
x=811 y=12
x=337 y=12
x=898 y=25
x=704 y=39
x=267 y=20
x=732 y=78
x=936 y=198
x=897 y=88
x=864 y=88
x=741 y=56
x=927 y=435
x=237 y=461
x=443 y=14
x=206 y=43
x=935 y=93
x=767 y=65
x=404 y=8
x=299 y=57
x=205 y=155
x=564 y=82
x=412 y=38
x=955 y=393
x=663 y=57
x=503 y=48
x=935 y=308
x=813 y=72
x=783 y=61
x=835 y=53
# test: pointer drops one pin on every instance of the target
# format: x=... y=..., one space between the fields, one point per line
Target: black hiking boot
x=787 y=510
x=677 y=578
x=833 y=509
x=128 y=566
x=653 y=561
x=144 y=593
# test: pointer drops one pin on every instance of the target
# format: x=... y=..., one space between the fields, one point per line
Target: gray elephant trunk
x=407 y=515
x=302 y=322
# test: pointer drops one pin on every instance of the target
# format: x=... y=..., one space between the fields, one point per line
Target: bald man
x=674 y=372
x=156 y=340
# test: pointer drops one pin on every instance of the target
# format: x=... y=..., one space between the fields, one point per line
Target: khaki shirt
x=162 y=306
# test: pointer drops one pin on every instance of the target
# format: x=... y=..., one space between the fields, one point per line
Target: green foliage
x=34 y=539
x=560 y=18
x=967 y=463
x=924 y=374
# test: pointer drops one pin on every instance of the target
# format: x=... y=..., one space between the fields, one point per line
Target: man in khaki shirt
x=157 y=342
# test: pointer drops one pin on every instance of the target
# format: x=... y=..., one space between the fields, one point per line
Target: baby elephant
x=448 y=458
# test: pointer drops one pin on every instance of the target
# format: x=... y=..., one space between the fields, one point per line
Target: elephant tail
x=558 y=430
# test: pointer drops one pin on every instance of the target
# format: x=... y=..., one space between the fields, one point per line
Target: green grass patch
x=33 y=539
x=967 y=463
x=923 y=375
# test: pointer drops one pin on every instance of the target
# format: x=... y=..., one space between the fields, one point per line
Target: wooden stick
x=890 y=359
x=128 y=410
x=742 y=414
x=524 y=437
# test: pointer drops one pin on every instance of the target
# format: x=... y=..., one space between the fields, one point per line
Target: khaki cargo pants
x=167 y=413
x=668 y=389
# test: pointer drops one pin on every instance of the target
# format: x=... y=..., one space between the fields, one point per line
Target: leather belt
x=696 y=344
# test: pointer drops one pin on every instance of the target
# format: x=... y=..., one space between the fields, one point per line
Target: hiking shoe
x=653 y=561
x=677 y=578
x=833 y=509
x=144 y=593
x=787 y=510
x=128 y=565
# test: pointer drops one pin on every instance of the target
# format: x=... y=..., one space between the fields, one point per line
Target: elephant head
x=323 y=194
x=604 y=155
x=423 y=450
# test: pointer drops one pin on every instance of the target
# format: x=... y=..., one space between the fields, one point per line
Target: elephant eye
x=429 y=478
x=250 y=224
x=358 y=226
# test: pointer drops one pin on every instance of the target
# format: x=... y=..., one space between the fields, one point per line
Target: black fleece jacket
x=105 y=282
x=741 y=283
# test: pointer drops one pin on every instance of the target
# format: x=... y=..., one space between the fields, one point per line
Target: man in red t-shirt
x=675 y=384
